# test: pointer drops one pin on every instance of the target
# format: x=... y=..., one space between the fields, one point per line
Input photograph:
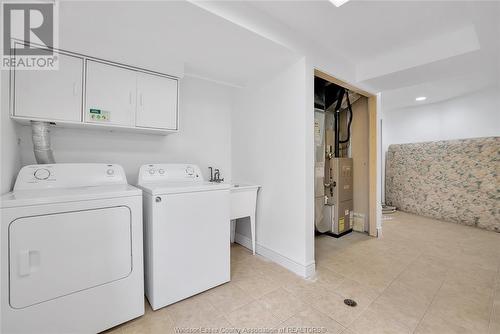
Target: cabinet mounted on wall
x=94 y=93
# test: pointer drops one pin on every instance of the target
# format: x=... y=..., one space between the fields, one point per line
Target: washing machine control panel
x=169 y=172
x=68 y=176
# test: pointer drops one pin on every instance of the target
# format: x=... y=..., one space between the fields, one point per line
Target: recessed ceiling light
x=338 y=3
x=421 y=98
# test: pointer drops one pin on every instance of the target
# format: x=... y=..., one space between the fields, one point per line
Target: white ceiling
x=152 y=34
x=400 y=47
x=362 y=29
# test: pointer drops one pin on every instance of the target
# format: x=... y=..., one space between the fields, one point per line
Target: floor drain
x=350 y=302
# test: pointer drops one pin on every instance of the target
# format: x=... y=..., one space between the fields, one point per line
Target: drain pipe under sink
x=41 y=142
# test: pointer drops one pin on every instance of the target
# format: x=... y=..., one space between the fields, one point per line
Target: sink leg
x=233 y=229
x=252 y=227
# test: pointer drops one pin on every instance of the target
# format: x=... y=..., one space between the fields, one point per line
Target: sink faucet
x=216 y=176
x=211 y=174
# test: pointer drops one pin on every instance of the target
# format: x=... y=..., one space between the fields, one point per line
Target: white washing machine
x=71 y=250
x=186 y=232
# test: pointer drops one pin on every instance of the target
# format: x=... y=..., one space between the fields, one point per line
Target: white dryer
x=186 y=232
x=71 y=250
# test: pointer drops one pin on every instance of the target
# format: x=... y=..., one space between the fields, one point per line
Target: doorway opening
x=345 y=174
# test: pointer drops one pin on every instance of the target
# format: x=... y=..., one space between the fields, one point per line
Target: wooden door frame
x=373 y=215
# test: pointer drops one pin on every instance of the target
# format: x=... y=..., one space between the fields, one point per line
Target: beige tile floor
x=423 y=276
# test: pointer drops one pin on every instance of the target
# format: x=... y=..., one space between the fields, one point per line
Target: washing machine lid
x=49 y=196
x=160 y=179
x=163 y=188
x=55 y=183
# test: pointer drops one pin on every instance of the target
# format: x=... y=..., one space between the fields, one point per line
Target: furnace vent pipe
x=336 y=118
x=41 y=142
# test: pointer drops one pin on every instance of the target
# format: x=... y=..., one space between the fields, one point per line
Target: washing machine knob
x=189 y=170
x=42 y=174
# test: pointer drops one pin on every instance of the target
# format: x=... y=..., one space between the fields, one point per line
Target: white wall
x=468 y=116
x=269 y=148
x=9 y=149
x=317 y=57
x=204 y=137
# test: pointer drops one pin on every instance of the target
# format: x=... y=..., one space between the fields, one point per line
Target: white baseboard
x=297 y=268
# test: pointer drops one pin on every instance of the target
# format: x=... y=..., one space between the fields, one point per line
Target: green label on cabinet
x=98 y=115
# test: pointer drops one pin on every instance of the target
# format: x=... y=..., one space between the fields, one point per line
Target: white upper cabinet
x=156 y=101
x=96 y=93
x=54 y=95
x=110 y=94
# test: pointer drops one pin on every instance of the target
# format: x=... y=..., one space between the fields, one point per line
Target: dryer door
x=59 y=254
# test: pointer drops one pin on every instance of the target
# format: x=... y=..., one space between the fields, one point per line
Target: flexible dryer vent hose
x=41 y=142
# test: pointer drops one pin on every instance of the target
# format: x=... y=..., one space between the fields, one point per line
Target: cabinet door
x=110 y=94
x=157 y=102
x=54 y=95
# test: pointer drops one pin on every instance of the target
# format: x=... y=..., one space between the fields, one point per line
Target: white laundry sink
x=243 y=200
x=243 y=204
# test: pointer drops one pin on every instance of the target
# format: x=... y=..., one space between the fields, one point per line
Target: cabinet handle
x=130 y=97
x=140 y=99
x=75 y=92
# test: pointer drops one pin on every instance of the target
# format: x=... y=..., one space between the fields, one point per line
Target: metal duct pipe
x=41 y=142
x=336 y=116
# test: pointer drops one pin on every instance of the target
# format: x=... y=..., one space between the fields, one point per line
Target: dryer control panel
x=69 y=176
x=169 y=172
